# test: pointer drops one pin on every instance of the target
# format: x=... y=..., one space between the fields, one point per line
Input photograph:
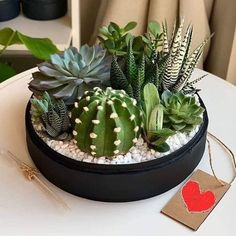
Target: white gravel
x=139 y=153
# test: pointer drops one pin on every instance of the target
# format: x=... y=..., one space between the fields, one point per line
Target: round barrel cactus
x=106 y=123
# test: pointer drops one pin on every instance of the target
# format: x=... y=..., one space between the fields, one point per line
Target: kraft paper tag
x=195 y=200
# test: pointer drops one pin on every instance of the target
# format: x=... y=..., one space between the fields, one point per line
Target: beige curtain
x=207 y=16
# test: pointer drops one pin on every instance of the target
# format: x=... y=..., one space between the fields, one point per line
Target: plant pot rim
x=114 y=168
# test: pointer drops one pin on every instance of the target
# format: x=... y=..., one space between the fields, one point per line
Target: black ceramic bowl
x=44 y=9
x=116 y=183
x=9 y=9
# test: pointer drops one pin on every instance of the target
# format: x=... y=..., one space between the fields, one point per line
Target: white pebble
x=138 y=153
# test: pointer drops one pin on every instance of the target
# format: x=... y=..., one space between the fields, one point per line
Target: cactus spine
x=106 y=123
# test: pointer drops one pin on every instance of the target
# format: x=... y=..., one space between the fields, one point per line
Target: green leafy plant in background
x=115 y=39
x=153 y=131
x=152 y=39
x=40 y=48
x=68 y=75
x=53 y=114
x=181 y=113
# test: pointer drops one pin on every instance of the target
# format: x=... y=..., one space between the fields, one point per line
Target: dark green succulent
x=131 y=77
x=153 y=131
x=53 y=114
x=66 y=76
x=181 y=113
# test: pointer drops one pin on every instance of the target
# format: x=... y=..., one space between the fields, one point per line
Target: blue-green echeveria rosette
x=66 y=76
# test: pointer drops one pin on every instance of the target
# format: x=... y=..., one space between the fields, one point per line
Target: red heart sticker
x=195 y=200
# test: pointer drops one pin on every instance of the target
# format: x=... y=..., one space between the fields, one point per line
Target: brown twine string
x=227 y=149
x=33 y=174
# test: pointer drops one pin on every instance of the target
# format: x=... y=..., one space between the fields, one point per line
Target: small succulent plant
x=152 y=39
x=181 y=113
x=153 y=131
x=53 y=114
x=115 y=39
x=175 y=61
x=106 y=123
x=40 y=106
x=68 y=75
x=131 y=78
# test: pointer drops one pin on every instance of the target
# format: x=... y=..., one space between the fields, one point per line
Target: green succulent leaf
x=154 y=28
x=109 y=44
x=66 y=75
x=131 y=25
x=159 y=136
x=161 y=147
x=151 y=99
x=115 y=27
x=103 y=30
x=152 y=125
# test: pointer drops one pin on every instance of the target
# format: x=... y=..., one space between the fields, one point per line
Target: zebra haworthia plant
x=68 y=75
x=53 y=114
x=177 y=61
x=106 y=123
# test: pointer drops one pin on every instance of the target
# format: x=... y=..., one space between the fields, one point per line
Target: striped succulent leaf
x=54 y=118
x=190 y=64
x=165 y=49
x=179 y=64
x=118 y=78
x=132 y=77
x=177 y=39
x=172 y=35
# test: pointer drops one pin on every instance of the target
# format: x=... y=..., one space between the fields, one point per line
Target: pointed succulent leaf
x=161 y=146
x=131 y=25
x=154 y=28
x=165 y=48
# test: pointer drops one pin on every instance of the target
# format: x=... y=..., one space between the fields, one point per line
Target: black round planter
x=44 y=9
x=9 y=9
x=116 y=183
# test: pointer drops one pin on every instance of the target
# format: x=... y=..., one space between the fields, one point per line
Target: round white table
x=27 y=210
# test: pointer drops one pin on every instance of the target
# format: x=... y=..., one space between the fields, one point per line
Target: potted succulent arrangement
x=121 y=120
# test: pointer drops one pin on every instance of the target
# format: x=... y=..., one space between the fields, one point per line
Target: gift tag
x=196 y=199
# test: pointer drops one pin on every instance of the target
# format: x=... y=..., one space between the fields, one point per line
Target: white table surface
x=26 y=210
